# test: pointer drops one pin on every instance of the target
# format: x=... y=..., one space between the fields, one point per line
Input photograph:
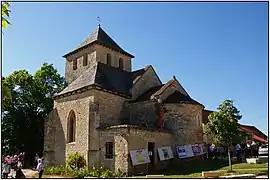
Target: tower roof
x=99 y=36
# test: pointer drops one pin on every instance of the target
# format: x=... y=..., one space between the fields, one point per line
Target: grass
x=247 y=166
x=193 y=169
x=223 y=173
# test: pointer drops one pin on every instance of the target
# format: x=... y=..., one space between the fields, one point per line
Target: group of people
x=247 y=150
x=13 y=164
x=216 y=151
x=241 y=150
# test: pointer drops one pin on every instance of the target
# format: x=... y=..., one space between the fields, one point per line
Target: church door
x=151 y=151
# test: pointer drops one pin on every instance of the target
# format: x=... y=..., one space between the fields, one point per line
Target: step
x=253 y=160
x=262 y=177
x=155 y=176
x=210 y=174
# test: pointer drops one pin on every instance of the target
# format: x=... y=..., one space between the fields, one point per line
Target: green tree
x=23 y=116
x=6 y=94
x=223 y=124
x=5 y=14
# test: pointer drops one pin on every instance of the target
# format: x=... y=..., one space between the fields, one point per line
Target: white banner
x=139 y=156
x=165 y=153
x=184 y=151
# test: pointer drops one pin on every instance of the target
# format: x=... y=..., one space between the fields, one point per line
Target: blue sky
x=217 y=51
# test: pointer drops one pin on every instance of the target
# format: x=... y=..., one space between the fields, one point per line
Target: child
x=40 y=167
x=5 y=169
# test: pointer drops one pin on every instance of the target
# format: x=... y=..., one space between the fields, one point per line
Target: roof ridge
x=70 y=88
x=101 y=37
x=163 y=88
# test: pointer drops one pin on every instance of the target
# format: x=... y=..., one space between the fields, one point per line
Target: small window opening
x=121 y=63
x=109 y=59
x=85 y=60
x=109 y=150
x=74 y=64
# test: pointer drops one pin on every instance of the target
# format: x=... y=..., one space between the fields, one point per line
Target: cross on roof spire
x=99 y=20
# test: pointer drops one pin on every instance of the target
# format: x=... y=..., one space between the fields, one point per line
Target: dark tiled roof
x=147 y=94
x=206 y=113
x=178 y=97
x=137 y=74
x=104 y=76
x=164 y=87
x=113 y=78
x=100 y=36
x=154 y=91
x=86 y=79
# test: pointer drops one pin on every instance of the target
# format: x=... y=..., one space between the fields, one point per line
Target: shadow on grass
x=194 y=166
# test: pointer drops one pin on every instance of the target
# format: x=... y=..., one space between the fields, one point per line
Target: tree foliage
x=6 y=94
x=31 y=101
x=5 y=14
x=223 y=124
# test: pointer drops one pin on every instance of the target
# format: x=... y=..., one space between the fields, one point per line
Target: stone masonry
x=119 y=106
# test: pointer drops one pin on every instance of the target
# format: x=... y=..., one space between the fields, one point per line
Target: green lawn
x=193 y=169
x=246 y=166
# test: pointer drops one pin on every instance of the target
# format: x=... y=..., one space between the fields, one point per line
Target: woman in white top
x=6 y=168
x=40 y=167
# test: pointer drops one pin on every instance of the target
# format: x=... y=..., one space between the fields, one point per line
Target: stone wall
x=138 y=139
x=126 y=138
x=104 y=111
x=79 y=103
x=94 y=53
x=185 y=120
x=120 y=149
x=143 y=113
x=71 y=74
x=115 y=56
x=148 y=80
x=110 y=107
x=49 y=137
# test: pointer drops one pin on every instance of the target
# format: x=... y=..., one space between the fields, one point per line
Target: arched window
x=71 y=127
x=74 y=64
x=85 y=60
x=121 y=63
x=109 y=59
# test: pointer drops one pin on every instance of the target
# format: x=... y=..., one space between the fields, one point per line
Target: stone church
x=108 y=109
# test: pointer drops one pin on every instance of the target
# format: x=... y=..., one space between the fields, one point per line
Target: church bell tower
x=98 y=47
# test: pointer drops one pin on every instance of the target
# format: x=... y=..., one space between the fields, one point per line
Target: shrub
x=94 y=172
x=119 y=173
x=75 y=161
x=55 y=170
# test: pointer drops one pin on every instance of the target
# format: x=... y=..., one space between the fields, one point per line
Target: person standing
x=257 y=150
x=238 y=151
x=243 y=151
x=36 y=160
x=40 y=167
x=248 y=150
x=253 y=149
x=19 y=173
x=6 y=169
